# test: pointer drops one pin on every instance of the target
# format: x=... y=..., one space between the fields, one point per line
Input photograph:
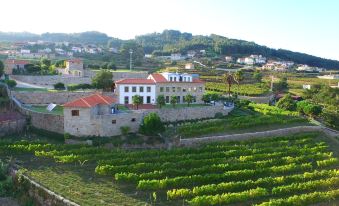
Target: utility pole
x=130 y=59
x=272 y=79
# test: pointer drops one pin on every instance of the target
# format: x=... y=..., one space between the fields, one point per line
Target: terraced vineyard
x=243 y=89
x=293 y=170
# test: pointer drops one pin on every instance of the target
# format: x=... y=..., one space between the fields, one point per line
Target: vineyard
x=242 y=89
x=261 y=115
x=291 y=170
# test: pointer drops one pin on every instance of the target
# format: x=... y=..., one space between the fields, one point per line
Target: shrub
x=10 y=83
x=151 y=124
x=125 y=130
x=72 y=87
x=218 y=115
x=286 y=103
x=59 y=86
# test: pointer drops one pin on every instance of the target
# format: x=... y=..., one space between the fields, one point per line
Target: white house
x=191 y=53
x=228 y=59
x=241 y=60
x=189 y=66
x=127 y=88
x=249 y=60
x=176 y=57
x=25 y=51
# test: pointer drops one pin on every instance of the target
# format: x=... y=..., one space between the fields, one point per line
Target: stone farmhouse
x=11 y=64
x=167 y=84
x=74 y=67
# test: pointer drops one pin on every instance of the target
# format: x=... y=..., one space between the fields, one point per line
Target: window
x=114 y=121
x=126 y=89
x=178 y=99
x=126 y=100
x=194 y=99
x=183 y=89
x=161 y=89
x=173 y=89
x=175 y=79
x=200 y=89
x=167 y=89
x=133 y=120
x=75 y=112
x=148 y=89
x=141 y=89
x=184 y=79
x=171 y=79
x=134 y=89
x=148 y=99
x=167 y=99
x=194 y=89
x=178 y=89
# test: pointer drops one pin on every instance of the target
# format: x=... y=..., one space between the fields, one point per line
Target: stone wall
x=12 y=126
x=50 y=80
x=48 y=97
x=90 y=124
x=40 y=194
x=245 y=136
x=260 y=100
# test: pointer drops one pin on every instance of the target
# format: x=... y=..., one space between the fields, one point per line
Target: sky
x=308 y=26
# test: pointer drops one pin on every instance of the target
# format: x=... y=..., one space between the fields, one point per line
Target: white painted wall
x=130 y=94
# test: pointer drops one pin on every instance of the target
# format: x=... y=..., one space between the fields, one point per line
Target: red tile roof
x=91 y=101
x=158 y=78
x=77 y=61
x=16 y=61
x=135 y=81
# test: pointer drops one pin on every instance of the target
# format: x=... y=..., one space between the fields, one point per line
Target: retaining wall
x=12 y=126
x=261 y=100
x=48 y=97
x=245 y=136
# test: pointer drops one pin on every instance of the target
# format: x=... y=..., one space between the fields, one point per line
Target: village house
x=11 y=64
x=167 y=84
x=228 y=59
x=189 y=66
x=74 y=67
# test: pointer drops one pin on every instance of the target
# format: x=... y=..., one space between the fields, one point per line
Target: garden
x=300 y=169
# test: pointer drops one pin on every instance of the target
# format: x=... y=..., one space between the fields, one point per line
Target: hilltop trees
x=103 y=80
x=138 y=52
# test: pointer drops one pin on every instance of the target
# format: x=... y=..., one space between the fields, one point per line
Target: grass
x=23 y=89
x=58 y=110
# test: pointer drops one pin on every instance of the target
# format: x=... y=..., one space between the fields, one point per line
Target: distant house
x=241 y=60
x=11 y=64
x=306 y=86
x=228 y=59
x=258 y=59
x=77 y=49
x=176 y=57
x=25 y=51
x=113 y=50
x=191 y=53
x=74 y=67
x=189 y=66
x=331 y=76
x=249 y=60
x=148 y=55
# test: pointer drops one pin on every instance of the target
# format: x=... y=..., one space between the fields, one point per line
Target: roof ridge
x=101 y=97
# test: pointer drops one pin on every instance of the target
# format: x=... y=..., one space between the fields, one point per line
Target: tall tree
x=137 y=55
x=137 y=100
x=239 y=76
x=103 y=80
x=228 y=79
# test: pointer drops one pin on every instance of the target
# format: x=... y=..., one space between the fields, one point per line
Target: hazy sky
x=310 y=26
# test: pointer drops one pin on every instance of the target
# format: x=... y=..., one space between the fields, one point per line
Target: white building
x=189 y=66
x=241 y=60
x=249 y=60
x=176 y=57
x=25 y=51
x=191 y=53
x=127 y=88
x=228 y=59
x=331 y=76
x=77 y=49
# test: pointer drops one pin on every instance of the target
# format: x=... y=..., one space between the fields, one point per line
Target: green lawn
x=58 y=110
x=22 y=89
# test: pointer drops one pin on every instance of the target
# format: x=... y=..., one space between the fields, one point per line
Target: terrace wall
x=12 y=126
x=48 y=97
x=245 y=136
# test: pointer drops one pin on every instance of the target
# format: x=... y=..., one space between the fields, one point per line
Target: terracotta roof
x=16 y=61
x=91 y=101
x=78 y=61
x=158 y=78
x=135 y=81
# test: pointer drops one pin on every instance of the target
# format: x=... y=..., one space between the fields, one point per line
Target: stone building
x=74 y=67
x=11 y=64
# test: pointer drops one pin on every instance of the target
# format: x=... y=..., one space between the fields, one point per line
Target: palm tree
x=137 y=100
x=238 y=77
x=228 y=79
x=189 y=99
x=173 y=101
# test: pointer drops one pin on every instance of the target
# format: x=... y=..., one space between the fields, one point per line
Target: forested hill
x=170 y=41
